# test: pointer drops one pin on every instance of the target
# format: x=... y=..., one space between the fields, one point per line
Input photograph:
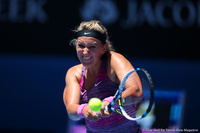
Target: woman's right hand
x=90 y=115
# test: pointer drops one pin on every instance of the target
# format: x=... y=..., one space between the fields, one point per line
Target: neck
x=94 y=70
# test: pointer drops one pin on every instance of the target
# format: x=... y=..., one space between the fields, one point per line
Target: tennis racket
x=135 y=95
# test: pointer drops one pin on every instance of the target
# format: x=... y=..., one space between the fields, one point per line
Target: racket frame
x=118 y=96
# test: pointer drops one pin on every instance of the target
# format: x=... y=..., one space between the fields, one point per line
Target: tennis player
x=99 y=74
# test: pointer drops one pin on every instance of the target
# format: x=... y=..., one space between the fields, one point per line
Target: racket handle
x=108 y=108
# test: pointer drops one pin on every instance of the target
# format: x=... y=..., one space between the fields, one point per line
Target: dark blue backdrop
x=31 y=89
x=159 y=35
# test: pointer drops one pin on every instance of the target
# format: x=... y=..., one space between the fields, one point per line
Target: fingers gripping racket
x=135 y=95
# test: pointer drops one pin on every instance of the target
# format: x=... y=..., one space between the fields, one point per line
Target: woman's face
x=89 y=50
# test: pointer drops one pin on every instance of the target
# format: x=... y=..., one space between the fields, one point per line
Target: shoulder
x=116 y=55
x=74 y=72
x=118 y=59
x=118 y=66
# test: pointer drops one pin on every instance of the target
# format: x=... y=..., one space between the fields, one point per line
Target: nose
x=85 y=50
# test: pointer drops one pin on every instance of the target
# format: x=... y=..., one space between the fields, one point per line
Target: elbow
x=139 y=93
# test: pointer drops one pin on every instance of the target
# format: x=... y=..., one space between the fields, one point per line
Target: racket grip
x=109 y=99
x=108 y=108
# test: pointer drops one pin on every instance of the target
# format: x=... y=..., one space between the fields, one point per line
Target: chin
x=87 y=65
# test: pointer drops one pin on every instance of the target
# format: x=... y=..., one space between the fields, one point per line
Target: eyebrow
x=91 y=43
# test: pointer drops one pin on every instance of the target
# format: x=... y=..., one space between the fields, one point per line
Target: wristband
x=109 y=99
x=80 y=109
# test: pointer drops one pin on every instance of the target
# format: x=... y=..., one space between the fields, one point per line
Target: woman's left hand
x=103 y=113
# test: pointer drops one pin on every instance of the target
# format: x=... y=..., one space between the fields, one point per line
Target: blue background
x=32 y=87
x=161 y=36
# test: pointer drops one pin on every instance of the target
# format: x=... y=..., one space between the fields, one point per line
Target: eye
x=81 y=46
x=92 y=47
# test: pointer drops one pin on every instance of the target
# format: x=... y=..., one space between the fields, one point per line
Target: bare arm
x=71 y=96
x=121 y=66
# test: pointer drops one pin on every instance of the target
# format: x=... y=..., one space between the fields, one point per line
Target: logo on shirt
x=97 y=83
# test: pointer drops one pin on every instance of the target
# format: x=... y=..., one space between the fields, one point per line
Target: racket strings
x=132 y=86
x=135 y=105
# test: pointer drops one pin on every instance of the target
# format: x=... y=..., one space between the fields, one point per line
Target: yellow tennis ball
x=95 y=104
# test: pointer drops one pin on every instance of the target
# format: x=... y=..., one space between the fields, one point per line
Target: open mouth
x=86 y=58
